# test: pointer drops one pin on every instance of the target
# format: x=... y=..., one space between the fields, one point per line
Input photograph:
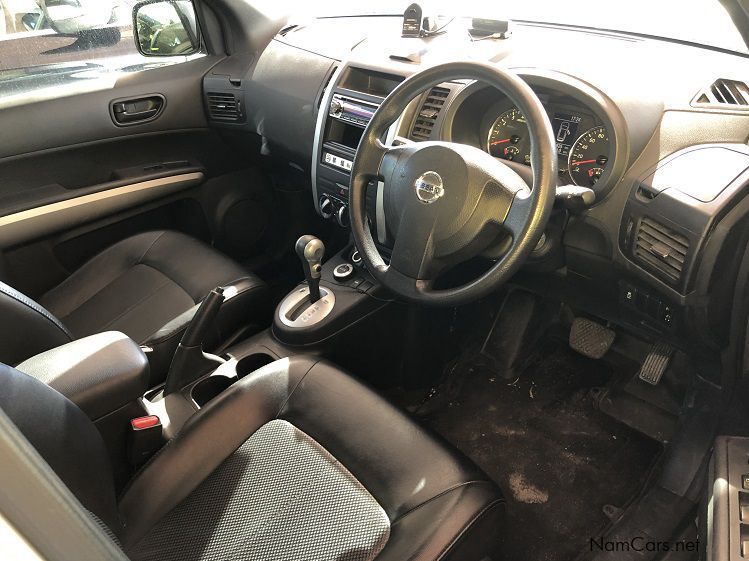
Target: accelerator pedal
x=656 y=363
x=590 y=339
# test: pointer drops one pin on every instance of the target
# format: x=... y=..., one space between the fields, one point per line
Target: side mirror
x=74 y=18
x=32 y=20
x=166 y=28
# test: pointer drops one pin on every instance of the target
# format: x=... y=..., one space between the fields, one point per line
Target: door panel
x=85 y=118
x=73 y=180
x=54 y=175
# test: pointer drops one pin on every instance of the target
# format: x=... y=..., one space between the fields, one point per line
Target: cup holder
x=252 y=362
x=208 y=388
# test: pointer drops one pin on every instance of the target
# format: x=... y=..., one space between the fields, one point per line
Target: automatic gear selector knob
x=311 y=251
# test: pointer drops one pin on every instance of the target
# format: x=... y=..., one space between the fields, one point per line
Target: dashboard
x=668 y=162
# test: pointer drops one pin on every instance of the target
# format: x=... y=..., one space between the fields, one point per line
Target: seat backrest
x=27 y=328
x=66 y=438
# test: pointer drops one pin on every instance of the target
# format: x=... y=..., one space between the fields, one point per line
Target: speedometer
x=509 y=137
x=589 y=156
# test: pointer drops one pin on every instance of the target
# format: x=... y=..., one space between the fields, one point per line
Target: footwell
x=560 y=463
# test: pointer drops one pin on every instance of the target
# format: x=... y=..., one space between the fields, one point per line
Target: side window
x=51 y=48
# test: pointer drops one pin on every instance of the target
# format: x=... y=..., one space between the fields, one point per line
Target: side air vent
x=224 y=107
x=430 y=110
x=723 y=94
x=662 y=249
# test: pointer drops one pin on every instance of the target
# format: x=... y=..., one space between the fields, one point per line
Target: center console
x=347 y=107
x=335 y=296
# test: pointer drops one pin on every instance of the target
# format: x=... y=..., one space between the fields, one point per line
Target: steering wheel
x=446 y=203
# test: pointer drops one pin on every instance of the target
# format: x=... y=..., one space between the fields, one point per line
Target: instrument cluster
x=583 y=144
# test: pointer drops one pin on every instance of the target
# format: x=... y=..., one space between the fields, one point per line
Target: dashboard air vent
x=662 y=249
x=724 y=93
x=430 y=110
x=224 y=107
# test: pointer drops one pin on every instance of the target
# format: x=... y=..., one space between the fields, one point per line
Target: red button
x=145 y=422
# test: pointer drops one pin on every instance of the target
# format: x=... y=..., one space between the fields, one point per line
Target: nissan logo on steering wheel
x=429 y=187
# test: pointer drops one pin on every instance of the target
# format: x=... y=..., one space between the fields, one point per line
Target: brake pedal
x=590 y=339
x=656 y=363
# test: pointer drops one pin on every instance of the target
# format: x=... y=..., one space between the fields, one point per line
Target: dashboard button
x=327 y=209
x=343 y=271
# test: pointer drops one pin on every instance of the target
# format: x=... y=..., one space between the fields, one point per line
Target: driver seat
x=297 y=460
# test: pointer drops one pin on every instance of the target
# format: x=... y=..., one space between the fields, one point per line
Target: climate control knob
x=327 y=208
x=342 y=216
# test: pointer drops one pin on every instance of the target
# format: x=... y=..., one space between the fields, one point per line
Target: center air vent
x=724 y=94
x=430 y=110
x=661 y=249
x=224 y=107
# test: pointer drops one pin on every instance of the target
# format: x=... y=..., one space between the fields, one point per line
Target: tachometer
x=589 y=156
x=509 y=137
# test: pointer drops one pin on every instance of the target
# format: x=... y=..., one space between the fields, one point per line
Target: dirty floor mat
x=558 y=461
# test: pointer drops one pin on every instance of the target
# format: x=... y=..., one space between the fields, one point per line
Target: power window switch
x=667 y=315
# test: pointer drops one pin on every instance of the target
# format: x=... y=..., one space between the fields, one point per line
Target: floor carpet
x=559 y=461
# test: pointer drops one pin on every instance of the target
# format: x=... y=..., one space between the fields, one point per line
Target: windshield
x=698 y=21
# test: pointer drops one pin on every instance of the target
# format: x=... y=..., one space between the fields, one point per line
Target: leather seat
x=297 y=461
x=147 y=286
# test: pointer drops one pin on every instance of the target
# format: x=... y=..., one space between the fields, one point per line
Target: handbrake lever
x=189 y=361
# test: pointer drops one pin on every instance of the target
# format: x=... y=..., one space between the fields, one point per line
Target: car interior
x=352 y=283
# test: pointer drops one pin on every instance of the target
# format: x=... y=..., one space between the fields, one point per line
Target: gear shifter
x=303 y=307
x=311 y=251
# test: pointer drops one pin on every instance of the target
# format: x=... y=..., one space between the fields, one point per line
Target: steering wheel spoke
x=413 y=251
x=389 y=160
x=378 y=160
x=518 y=215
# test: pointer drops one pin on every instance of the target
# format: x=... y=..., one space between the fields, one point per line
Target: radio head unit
x=351 y=110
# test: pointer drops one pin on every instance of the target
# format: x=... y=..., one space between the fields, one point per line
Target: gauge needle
x=501 y=141
x=584 y=162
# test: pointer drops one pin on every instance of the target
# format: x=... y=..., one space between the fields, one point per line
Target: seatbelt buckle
x=145 y=438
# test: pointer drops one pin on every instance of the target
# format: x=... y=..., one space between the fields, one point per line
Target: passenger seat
x=147 y=286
